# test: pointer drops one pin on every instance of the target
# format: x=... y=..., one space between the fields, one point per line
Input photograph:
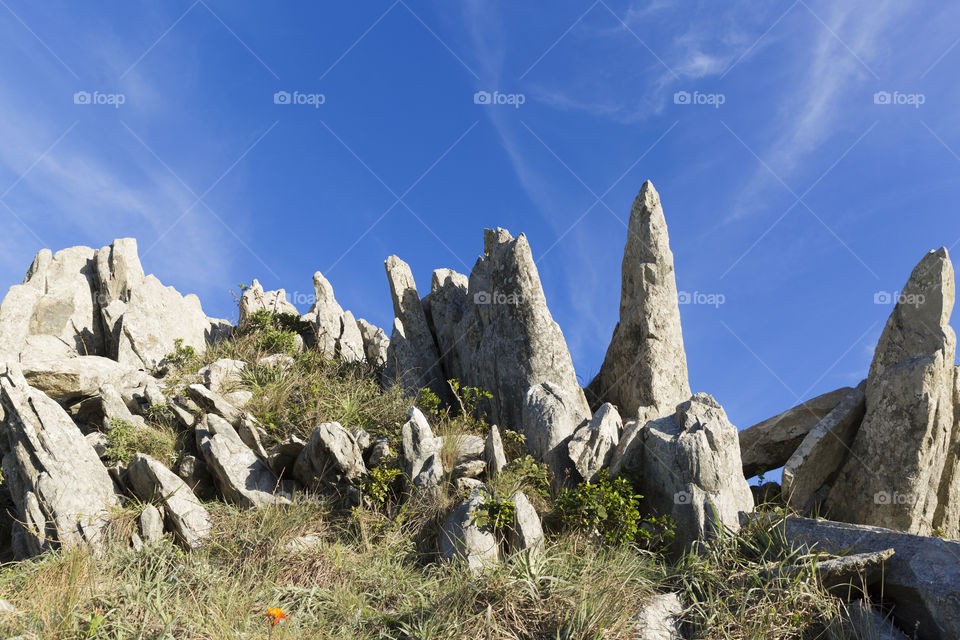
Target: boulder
x=688 y=467
x=115 y=409
x=255 y=299
x=659 y=618
x=592 y=445
x=214 y=403
x=243 y=478
x=467 y=448
x=921 y=579
x=61 y=492
x=330 y=456
x=420 y=366
x=462 y=539
x=644 y=372
x=77 y=377
x=470 y=469
x=379 y=451
x=150 y=480
x=43 y=349
x=222 y=375
x=898 y=474
x=276 y=361
x=808 y=473
x=493 y=452
x=375 y=343
x=151 y=524
x=419 y=443
x=550 y=417
x=526 y=532
x=15 y=313
x=769 y=444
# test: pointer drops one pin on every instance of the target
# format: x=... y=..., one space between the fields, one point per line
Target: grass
x=376 y=572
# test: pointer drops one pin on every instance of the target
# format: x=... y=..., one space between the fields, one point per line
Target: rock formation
x=645 y=370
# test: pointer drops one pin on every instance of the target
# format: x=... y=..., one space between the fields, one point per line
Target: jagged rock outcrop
x=222 y=375
x=150 y=480
x=255 y=299
x=591 y=446
x=808 y=473
x=375 y=343
x=61 y=491
x=645 y=370
x=898 y=474
x=336 y=331
x=550 y=417
x=687 y=466
x=331 y=455
x=421 y=451
x=413 y=361
x=461 y=537
x=77 y=377
x=769 y=444
x=449 y=304
x=118 y=270
x=922 y=578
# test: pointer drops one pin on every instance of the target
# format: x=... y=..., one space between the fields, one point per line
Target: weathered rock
x=465 y=486
x=449 y=305
x=15 y=313
x=331 y=455
x=151 y=524
x=854 y=570
x=115 y=409
x=196 y=474
x=469 y=469
x=42 y=348
x=238 y=399
x=897 y=474
x=690 y=469
x=375 y=343
x=276 y=360
x=300 y=544
x=493 y=452
x=255 y=299
x=419 y=443
x=591 y=446
x=336 y=331
x=61 y=491
x=223 y=374
x=118 y=270
x=550 y=417
x=769 y=444
x=429 y=476
x=350 y=345
x=76 y=377
x=461 y=538
x=526 y=531
x=99 y=441
x=645 y=370
x=922 y=578
x=467 y=447
x=363 y=439
x=214 y=403
x=252 y=434
x=811 y=468
x=151 y=480
x=379 y=452
x=283 y=456
x=423 y=369
x=659 y=618
x=243 y=478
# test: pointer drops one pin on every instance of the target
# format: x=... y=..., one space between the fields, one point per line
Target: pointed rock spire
x=645 y=369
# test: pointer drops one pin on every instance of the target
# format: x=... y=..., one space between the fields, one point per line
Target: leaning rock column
x=645 y=369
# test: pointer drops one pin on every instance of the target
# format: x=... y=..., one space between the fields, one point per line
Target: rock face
x=449 y=305
x=645 y=369
x=808 y=473
x=897 y=474
x=591 y=447
x=418 y=364
x=922 y=578
x=61 y=491
x=256 y=299
x=375 y=343
x=461 y=538
x=331 y=455
x=550 y=417
x=336 y=331
x=769 y=444
x=150 y=480
x=688 y=466
x=76 y=377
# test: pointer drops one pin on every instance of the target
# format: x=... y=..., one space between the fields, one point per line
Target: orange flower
x=277 y=615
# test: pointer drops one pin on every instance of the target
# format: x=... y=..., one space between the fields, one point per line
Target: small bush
x=607 y=508
x=182 y=356
x=497 y=512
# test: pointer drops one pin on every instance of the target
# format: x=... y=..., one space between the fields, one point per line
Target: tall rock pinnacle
x=645 y=369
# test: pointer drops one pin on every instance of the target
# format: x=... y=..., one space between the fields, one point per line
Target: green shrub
x=382 y=484
x=527 y=475
x=182 y=356
x=607 y=508
x=497 y=512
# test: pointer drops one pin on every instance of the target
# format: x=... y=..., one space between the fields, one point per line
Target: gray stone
x=15 y=313
x=76 y=377
x=222 y=375
x=769 y=444
x=375 y=343
x=301 y=544
x=493 y=452
x=151 y=524
x=854 y=570
x=897 y=474
x=363 y=439
x=336 y=331
x=283 y=456
x=196 y=474
x=277 y=360
x=211 y=402
x=591 y=446
x=645 y=370
x=256 y=299
x=816 y=461
x=691 y=470
x=469 y=469
x=462 y=539
x=150 y=480
x=468 y=448
x=922 y=578
x=118 y=270
x=526 y=531
x=61 y=492
x=465 y=486
x=252 y=434
x=351 y=346
x=379 y=452
x=429 y=476
x=331 y=455
x=243 y=478
x=659 y=618
x=550 y=417
x=99 y=441
x=42 y=348
x=449 y=305
x=423 y=369
x=238 y=399
x=115 y=409
x=419 y=443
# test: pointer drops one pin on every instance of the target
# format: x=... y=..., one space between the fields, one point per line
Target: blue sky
x=795 y=191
